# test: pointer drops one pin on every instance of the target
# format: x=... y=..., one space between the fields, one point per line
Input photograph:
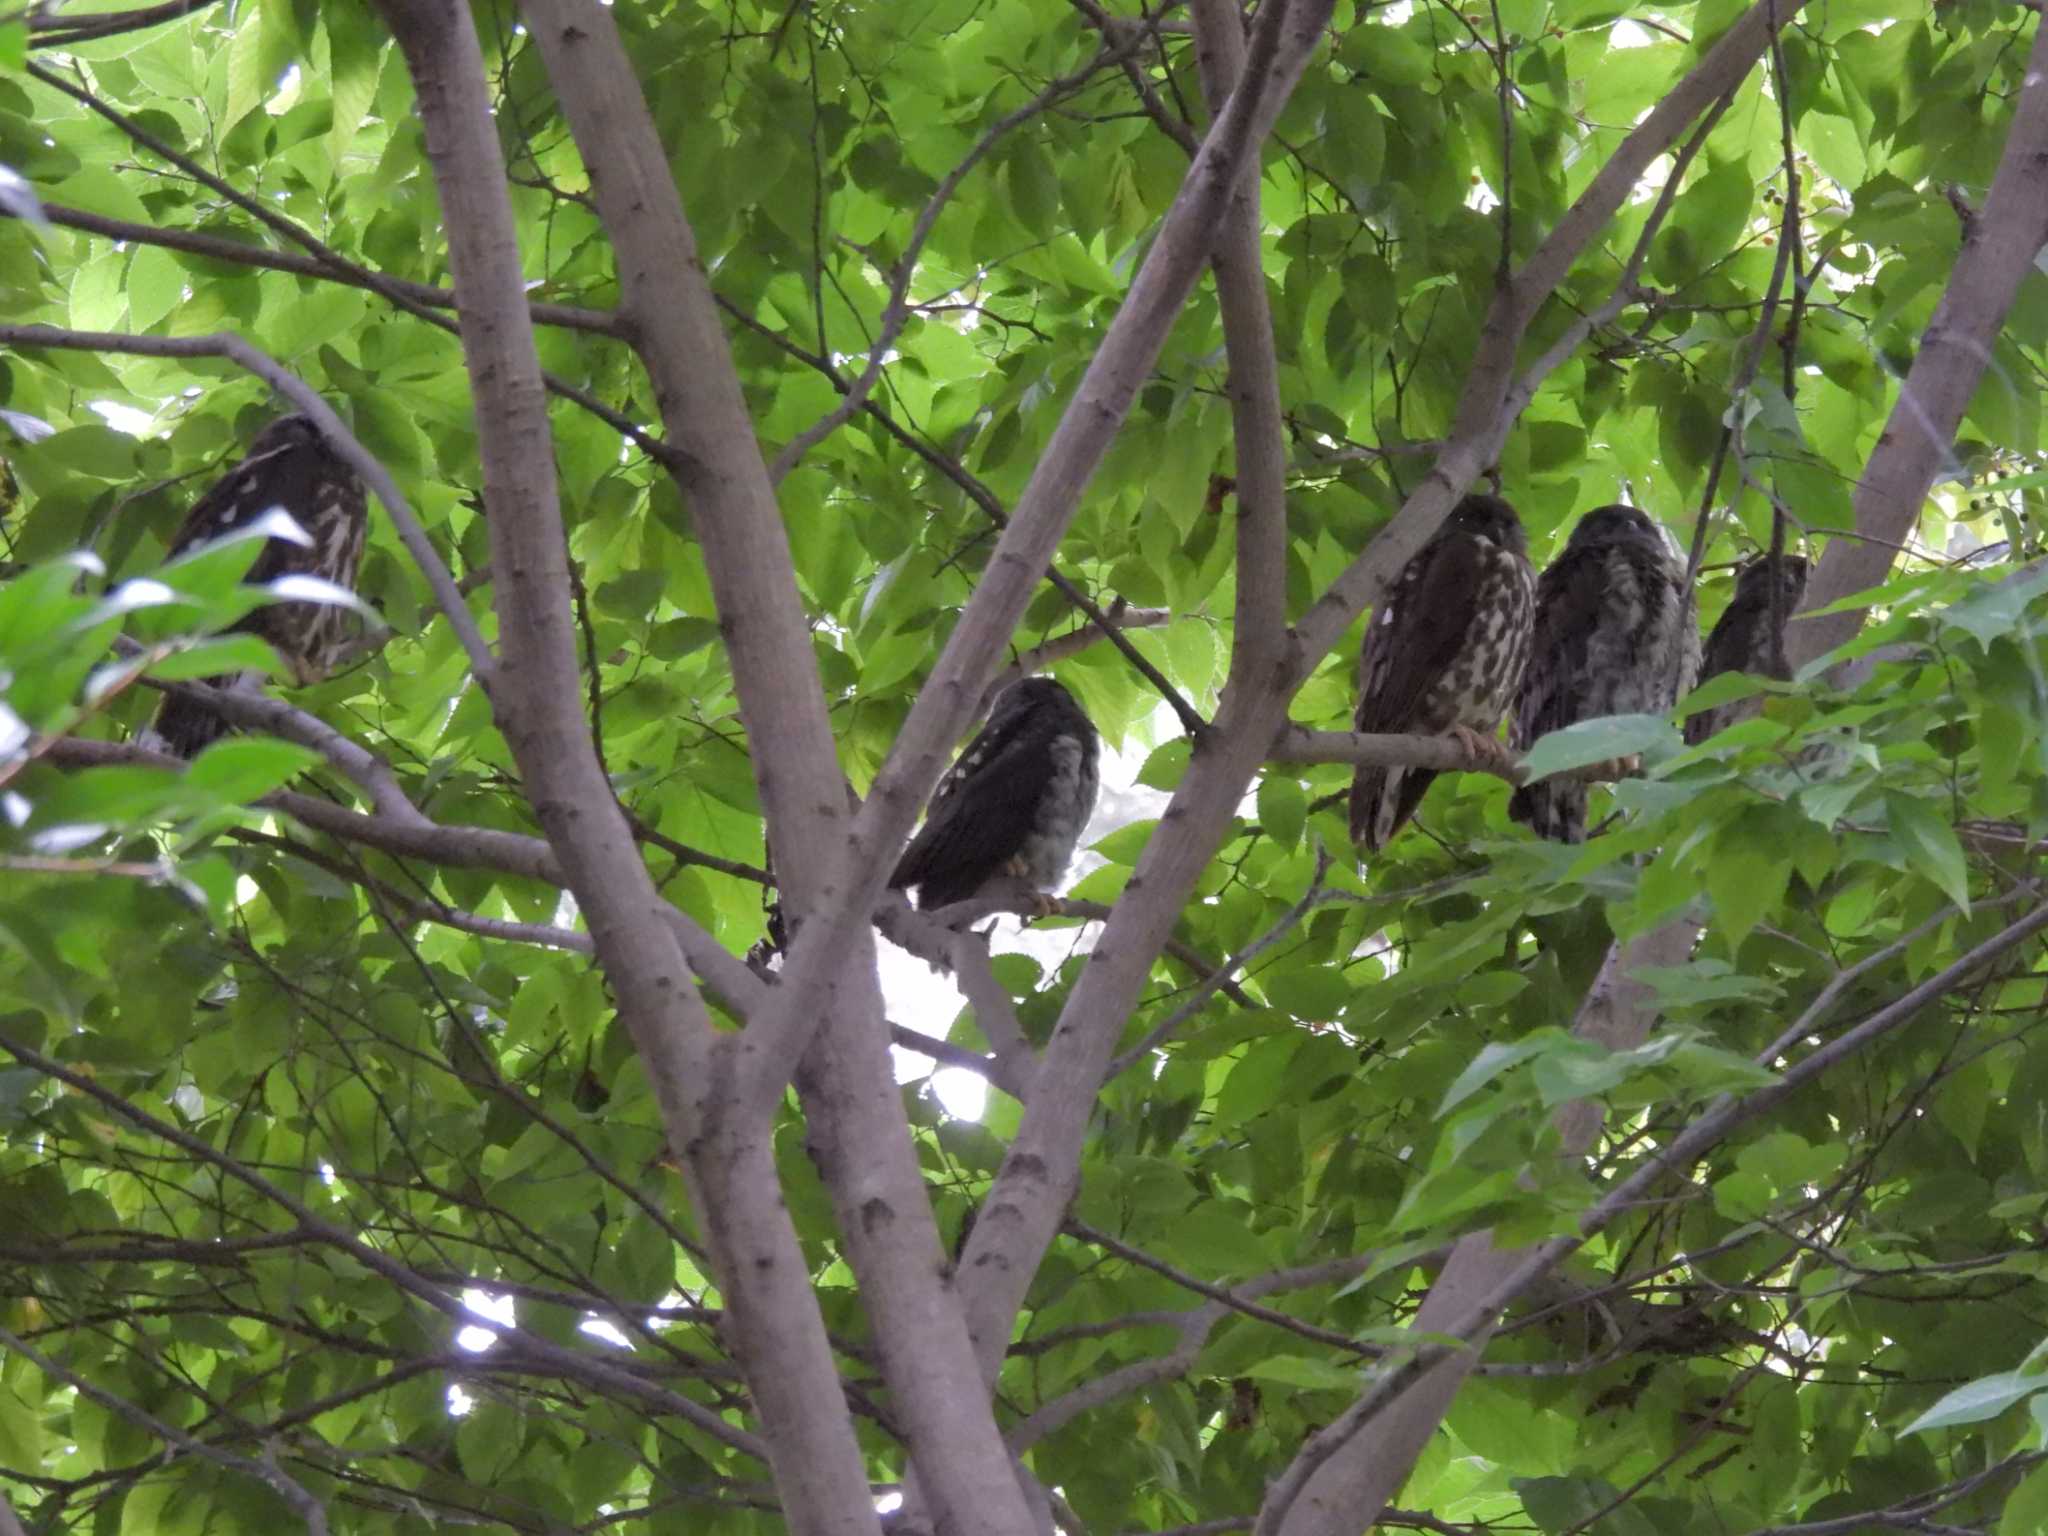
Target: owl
x=1443 y=655
x=1014 y=804
x=1614 y=636
x=289 y=466
x=1743 y=640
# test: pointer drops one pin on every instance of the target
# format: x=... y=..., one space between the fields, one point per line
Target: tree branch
x=860 y=1135
x=1366 y=1471
x=1288 y=33
x=1483 y=420
x=339 y=267
x=1998 y=251
x=1253 y=384
x=265 y=1471
x=817 y=1462
x=1118 y=616
x=54 y=31
x=303 y=398
x=540 y=1350
x=358 y=764
x=1298 y=744
x=332 y=270
x=1476 y=1320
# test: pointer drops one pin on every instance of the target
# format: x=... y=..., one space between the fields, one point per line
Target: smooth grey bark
x=820 y=1473
x=1998 y=251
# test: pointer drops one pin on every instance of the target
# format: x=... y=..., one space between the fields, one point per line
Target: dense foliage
x=273 y=1086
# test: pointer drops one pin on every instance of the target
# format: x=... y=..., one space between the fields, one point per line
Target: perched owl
x=289 y=466
x=1743 y=642
x=1614 y=636
x=1444 y=654
x=1015 y=802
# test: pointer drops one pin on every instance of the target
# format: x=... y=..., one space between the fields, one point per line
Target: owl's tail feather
x=1556 y=810
x=184 y=727
x=1382 y=801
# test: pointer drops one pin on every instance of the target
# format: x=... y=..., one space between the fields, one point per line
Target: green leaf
x=1253 y=1086
x=244 y=768
x=1490 y=1063
x=1929 y=844
x=1985 y=1398
x=1599 y=741
x=1283 y=808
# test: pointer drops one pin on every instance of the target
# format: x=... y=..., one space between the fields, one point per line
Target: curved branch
x=304 y=398
x=457 y=847
x=1104 y=626
x=1253 y=383
x=265 y=1471
x=1478 y=1315
x=897 y=312
x=245 y=253
x=53 y=31
x=342 y=269
x=541 y=1350
x=1998 y=251
x=358 y=764
x=1298 y=744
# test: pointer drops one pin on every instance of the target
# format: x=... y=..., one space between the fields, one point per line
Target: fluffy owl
x=289 y=466
x=1013 y=804
x=1614 y=636
x=1743 y=640
x=1444 y=654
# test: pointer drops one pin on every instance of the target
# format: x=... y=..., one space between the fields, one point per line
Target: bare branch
x=422 y=908
x=1915 y=1513
x=358 y=764
x=1472 y=1322
x=54 y=31
x=1998 y=251
x=1253 y=384
x=817 y=1462
x=948 y=1054
x=1220 y=977
x=1289 y=32
x=1118 y=616
x=860 y=1135
x=264 y=1471
x=668 y=310
x=897 y=312
x=248 y=254
x=993 y=1010
x=1483 y=421
x=1297 y=744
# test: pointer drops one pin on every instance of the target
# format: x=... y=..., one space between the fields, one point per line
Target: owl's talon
x=1483 y=749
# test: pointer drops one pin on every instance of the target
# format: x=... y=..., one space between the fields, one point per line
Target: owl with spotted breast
x=1744 y=640
x=289 y=467
x=1443 y=655
x=1614 y=636
x=1014 y=803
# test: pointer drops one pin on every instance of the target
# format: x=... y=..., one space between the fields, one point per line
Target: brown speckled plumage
x=1445 y=649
